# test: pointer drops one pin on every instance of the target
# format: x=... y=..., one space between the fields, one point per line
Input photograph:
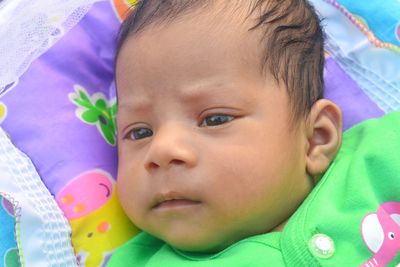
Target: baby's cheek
x=131 y=200
x=123 y=194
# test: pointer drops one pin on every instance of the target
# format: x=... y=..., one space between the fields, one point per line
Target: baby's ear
x=324 y=136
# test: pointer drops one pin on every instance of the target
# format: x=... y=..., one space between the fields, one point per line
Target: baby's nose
x=171 y=146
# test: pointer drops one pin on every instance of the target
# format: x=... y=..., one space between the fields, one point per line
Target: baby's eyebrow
x=137 y=106
x=203 y=91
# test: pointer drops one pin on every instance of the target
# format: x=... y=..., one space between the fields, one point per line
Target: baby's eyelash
x=139 y=133
x=215 y=120
x=208 y=121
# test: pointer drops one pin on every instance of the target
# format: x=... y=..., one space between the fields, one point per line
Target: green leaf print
x=113 y=114
x=83 y=94
x=90 y=116
x=108 y=133
x=101 y=104
x=80 y=102
x=96 y=110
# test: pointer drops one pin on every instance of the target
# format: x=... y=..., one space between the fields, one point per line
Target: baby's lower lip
x=176 y=203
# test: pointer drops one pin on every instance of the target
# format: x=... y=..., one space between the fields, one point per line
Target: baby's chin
x=203 y=248
x=204 y=245
x=207 y=239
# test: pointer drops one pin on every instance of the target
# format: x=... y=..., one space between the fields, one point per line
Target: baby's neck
x=279 y=228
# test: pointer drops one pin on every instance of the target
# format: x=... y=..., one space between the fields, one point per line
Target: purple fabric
x=41 y=118
x=344 y=91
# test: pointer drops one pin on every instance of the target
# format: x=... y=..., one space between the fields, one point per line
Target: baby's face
x=207 y=154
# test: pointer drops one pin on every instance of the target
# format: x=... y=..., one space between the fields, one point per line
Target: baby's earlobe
x=324 y=135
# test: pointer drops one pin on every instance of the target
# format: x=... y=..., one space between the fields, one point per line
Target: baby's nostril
x=177 y=162
x=152 y=166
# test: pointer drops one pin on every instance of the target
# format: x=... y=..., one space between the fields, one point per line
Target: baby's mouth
x=175 y=203
x=173 y=200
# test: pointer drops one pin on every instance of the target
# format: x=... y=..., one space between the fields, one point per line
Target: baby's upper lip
x=170 y=195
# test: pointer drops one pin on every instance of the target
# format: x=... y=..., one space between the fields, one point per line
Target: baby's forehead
x=224 y=26
x=242 y=15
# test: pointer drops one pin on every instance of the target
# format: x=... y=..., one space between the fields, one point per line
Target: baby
x=223 y=133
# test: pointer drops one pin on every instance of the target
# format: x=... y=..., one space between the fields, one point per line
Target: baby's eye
x=215 y=120
x=139 y=133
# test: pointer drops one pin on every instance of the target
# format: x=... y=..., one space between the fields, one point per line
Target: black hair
x=292 y=40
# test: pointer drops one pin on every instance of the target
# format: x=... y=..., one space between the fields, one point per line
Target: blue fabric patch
x=373 y=68
x=382 y=19
x=8 y=244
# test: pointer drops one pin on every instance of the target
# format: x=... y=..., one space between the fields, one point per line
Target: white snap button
x=321 y=246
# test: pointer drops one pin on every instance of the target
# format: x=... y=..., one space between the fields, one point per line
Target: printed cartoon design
x=96 y=110
x=85 y=193
x=98 y=222
x=9 y=256
x=3 y=112
x=121 y=7
x=381 y=234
